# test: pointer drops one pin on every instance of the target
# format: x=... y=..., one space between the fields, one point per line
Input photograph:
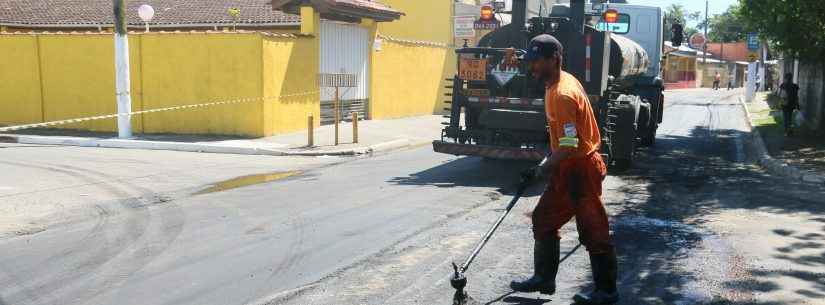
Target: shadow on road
x=663 y=246
x=473 y=172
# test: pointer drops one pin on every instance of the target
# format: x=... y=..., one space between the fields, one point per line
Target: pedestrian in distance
x=730 y=82
x=716 y=80
x=789 y=101
x=574 y=171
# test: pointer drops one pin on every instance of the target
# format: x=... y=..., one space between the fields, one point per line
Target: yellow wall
x=193 y=68
x=167 y=69
x=408 y=78
x=78 y=79
x=20 y=100
x=290 y=67
x=429 y=20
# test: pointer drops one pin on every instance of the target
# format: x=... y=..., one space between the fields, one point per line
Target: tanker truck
x=497 y=108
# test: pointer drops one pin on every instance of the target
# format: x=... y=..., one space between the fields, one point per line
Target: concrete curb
x=202 y=148
x=776 y=166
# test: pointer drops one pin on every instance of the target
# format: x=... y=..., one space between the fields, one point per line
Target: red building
x=732 y=51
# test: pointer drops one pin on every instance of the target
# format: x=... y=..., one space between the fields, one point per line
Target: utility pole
x=705 y=49
x=122 y=82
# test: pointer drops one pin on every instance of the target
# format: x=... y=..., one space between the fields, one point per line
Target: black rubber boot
x=546 y=265
x=605 y=268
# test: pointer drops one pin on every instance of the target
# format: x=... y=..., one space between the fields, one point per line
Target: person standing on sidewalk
x=716 y=80
x=789 y=95
x=574 y=187
x=730 y=81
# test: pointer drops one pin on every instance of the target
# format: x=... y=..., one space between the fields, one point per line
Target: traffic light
x=678 y=34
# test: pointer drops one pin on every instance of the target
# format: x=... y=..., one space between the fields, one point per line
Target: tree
x=795 y=27
x=677 y=13
x=729 y=26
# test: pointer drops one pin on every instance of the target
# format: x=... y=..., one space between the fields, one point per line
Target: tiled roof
x=349 y=9
x=368 y=5
x=167 y=12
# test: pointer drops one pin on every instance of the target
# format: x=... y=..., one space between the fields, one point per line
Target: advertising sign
x=753 y=41
x=697 y=41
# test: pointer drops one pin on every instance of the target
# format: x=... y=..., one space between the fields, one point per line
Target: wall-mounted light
x=146 y=13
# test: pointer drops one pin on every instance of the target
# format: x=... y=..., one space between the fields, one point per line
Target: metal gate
x=345 y=49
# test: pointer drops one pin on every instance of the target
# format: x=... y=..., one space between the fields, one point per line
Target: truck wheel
x=649 y=139
x=650 y=126
x=623 y=164
x=623 y=140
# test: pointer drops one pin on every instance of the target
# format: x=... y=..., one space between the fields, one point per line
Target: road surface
x=694 y=222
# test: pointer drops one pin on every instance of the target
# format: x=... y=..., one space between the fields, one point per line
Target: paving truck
x=496 y=109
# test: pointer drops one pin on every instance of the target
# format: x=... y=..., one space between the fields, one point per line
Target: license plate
x=472 y=69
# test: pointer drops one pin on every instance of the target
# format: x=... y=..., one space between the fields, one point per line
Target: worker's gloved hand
x=536 y=173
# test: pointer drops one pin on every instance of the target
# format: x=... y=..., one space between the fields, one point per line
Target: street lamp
x=146 y=13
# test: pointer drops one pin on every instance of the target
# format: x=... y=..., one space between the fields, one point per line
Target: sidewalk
x=374 y=136
x=801 y=156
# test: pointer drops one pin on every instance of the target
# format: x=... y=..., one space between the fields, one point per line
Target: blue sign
x=753 y=41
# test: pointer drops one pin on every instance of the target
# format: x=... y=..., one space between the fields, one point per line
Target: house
x=170 y=15
x=257 y=74
x=679 y=68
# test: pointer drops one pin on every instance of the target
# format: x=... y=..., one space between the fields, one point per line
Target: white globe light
x=146 y=12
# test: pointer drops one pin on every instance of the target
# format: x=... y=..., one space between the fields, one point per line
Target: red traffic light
x=611 y=16
x=486 y=12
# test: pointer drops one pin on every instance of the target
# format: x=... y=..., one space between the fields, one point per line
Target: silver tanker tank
x=627 y=58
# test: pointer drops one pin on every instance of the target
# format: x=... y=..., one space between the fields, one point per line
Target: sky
x=714 y=6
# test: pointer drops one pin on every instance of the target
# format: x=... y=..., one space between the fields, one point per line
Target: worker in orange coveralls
x=575 y=171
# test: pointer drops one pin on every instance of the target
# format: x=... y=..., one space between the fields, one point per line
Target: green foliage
x=729 y=26
x=796 y=27
x=677 y=13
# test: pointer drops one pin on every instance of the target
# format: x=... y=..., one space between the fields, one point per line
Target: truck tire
x=623 y=143
x=648 y=126
x=649 y=138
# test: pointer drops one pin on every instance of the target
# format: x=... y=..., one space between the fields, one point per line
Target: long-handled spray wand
x=458 y=280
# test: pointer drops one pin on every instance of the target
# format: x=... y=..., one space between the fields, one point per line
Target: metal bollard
x=354 y=127
x=310 y=131
x=337 y=115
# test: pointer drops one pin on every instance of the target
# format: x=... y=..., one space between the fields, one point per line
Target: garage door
x=345 y=49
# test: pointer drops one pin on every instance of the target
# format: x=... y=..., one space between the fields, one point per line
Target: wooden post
x=337 y=114
x=354 y=127
x=310 y=131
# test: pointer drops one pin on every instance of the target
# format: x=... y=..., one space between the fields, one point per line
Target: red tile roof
x=167 y=12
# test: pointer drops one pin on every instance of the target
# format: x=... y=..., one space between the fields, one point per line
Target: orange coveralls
x=575 y=187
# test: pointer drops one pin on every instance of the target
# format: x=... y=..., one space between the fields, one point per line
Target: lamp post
x=122 y=81
x=705 y=47
x=146 y=13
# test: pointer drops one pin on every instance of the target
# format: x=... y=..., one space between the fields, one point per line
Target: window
x=621 y=26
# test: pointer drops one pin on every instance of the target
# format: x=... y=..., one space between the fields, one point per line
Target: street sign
x=752 y=56
x=753 y=41
x=697 y=41
x=464 y=26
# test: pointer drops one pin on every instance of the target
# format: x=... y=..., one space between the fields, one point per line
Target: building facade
x=259 y=79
